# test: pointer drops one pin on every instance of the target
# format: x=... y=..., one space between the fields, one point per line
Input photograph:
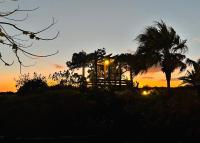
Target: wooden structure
x=109 y=73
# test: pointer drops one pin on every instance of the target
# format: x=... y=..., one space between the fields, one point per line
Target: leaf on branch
x=25 y=32
x=32 y=36
x=2 y=34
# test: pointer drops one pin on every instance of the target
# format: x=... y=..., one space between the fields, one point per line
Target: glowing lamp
x=106 y=62
x=145 y=93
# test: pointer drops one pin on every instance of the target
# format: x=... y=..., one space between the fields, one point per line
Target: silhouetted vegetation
x=192 y=78
x=120 y=115
x=25 y=84
x=160 y=46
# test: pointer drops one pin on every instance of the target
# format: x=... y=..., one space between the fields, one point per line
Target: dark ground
x=68 y=115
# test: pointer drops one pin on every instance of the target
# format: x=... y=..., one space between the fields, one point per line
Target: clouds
x=148 y=77
x=196 y=40
x=131 y=51
x=172 y=79
x=57 y=66
x=154 y=69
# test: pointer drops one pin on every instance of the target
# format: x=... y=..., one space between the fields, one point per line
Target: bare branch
x=6 y=64
x=44 y=29
x=17 y=41
x=5 y=14
x=29 y=56
x=56 y=36
x=39 y=56
x=23 y=19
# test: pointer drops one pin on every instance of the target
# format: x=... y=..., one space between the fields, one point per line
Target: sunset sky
x=91 y=24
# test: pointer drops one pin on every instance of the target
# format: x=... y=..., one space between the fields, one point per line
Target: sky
x=92 y=24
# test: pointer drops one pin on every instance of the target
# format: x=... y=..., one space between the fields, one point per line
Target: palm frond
x=160 y=45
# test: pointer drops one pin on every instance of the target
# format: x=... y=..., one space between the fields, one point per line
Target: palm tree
x=192 y=78
x=160 y=46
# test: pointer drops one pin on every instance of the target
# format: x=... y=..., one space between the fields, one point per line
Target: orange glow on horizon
x=151 y=79
x=8 y=86
x=157 y=79
x=157 y=83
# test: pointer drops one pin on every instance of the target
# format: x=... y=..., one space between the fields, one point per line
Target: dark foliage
x=123 y=116
x=26 y=85
x=192 y=78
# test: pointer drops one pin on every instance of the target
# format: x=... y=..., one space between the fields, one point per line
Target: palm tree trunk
x=168 y=78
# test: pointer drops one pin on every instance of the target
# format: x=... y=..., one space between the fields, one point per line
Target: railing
x=109 y=82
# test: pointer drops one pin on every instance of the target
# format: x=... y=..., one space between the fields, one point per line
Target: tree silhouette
x=128 y=62
x=79 y=60
x=121 y=60
x=159 y=45
x=20 y=38
x=26 y=85
x=62 y=77
x=82 y=60
x=192 y=78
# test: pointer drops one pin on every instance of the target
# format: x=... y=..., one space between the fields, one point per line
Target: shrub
x=25 y=84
